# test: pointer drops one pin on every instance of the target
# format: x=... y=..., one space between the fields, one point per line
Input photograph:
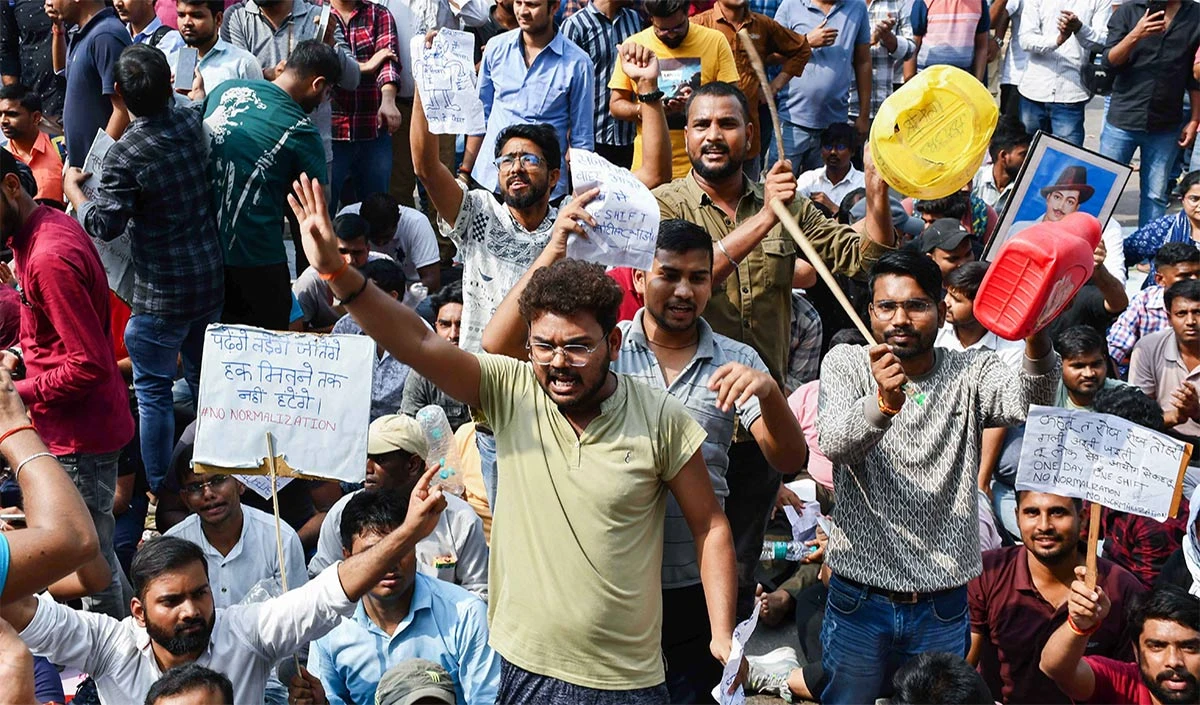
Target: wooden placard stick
x=1096 y=512
x=761 y=72
x=278 y=525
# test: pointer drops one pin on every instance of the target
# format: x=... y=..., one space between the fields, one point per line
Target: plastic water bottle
x=1036 y=274
x=785 y=550
x=441 y=450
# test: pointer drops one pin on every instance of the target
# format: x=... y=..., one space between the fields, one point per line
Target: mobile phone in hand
x=185 y=68
x=1157 y=6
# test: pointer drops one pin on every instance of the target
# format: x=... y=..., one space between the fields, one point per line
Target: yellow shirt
x=575 y=589
x=703 y=57
x=470 y=468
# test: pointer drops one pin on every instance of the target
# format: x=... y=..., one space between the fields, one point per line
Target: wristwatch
x=652 y=97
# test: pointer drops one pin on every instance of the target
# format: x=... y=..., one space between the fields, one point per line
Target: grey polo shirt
x=638 y=361
x=1157 y=369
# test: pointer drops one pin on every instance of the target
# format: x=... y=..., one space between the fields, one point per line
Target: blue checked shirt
x=599 y=38
x=690 y=387
x=1145 y=314
x=154 y=187
x=886 y=67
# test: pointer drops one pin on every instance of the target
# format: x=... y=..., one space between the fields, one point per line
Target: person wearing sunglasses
x=830 y=183
x=901 y=421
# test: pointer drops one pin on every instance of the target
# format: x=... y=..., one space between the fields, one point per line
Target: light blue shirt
x=3 y=562
x=224 y=61
x=445 y=624
x=817 y=98
x=558 y=89
x=169 y=45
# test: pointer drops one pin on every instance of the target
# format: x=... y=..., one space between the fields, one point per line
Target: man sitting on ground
x=1146 y=312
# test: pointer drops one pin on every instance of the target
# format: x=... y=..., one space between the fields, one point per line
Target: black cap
x=942 y=234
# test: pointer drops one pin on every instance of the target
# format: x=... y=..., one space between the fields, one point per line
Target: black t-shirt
x=1086 y=309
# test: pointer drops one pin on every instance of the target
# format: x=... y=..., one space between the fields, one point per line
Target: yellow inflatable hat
x=930 y=136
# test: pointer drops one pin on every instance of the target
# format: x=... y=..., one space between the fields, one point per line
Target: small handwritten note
x=741 y=634
x=1103 y=459
x=445 y=73
x=626 y=213
x=116 y=255
x=311 y=392
x=261 y=484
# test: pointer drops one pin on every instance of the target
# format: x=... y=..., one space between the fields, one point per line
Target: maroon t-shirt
x=1016 y=621
x=1117 y=682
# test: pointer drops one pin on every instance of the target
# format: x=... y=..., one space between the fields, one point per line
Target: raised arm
x=776 y=429
x=59 y=536
x=641 y=65
x=440 y=184
x=1062 y=656
x=391 y=324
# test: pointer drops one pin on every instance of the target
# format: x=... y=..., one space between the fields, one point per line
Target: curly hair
x=572 y=286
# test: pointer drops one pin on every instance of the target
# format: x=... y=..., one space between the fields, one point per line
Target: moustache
x=714 y=148
x=189 y=624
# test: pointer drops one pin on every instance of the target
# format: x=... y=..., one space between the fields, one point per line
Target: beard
x=532 y=195
x=918 y=344
x=180 y=643
x=732 y=166
x=660 y=317
x=1166 y=695
x=581 y=399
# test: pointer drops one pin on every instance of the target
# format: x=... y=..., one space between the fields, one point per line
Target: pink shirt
x=804 y=405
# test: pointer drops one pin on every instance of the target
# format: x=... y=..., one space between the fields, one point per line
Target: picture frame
x=1086 y=181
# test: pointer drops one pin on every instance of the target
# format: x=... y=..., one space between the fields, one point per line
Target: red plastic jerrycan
x=1036 y=274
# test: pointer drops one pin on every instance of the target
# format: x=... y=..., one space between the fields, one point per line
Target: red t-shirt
x=1117 y=682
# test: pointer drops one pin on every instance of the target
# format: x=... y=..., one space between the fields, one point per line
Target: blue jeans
x=95 y=476
x=801 y=145
x=1063 y=120
x=867 y=637
x=1004 y=505
x=486 y=443
x=155 y=346
x=367 y=164
x=1159 y=152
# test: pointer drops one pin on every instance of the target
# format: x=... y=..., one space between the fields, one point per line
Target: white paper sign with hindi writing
x=445 y=74
x=1103 y=459
x=311 y=392
x=117 y=254
x=741 y=635
x=626 y=213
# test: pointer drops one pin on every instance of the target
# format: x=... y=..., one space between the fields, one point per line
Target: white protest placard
x=1103 y=459
x=741 y=634
x=311 y=392
x=445 y=74
x=626 y=213
x=116 y=255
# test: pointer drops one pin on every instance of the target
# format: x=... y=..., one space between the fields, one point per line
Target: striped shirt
x=948 y=28
x=886 y=65
x=638 y=361
x=599 y=38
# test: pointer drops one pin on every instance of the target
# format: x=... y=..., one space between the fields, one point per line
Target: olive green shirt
x=757 y=306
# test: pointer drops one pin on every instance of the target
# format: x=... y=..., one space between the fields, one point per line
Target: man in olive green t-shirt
x=575 y=578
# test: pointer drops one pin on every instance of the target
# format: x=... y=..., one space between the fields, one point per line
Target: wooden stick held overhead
x=761 y=72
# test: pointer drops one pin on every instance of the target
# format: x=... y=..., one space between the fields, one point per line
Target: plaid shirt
x=886 y=68
x=1145 y=314
x=804 y=355
x=599 y=39
x=154 y=187
x=355 y=112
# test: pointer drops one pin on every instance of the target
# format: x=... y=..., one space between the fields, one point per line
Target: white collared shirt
x=246 y=640
x=1010 y=352
x=1052 y=71
x=816 y=181
x=253 y=558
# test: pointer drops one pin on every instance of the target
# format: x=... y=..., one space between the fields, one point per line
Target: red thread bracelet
x=1081 y=632
x=18 y=429
x=330 y=277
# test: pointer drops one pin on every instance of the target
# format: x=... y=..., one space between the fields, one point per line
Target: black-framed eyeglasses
x=886 y=310
x=529 y=161
x=196 y=489
x=544 y=353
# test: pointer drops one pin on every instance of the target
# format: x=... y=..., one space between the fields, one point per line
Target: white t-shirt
x=414 y=244
x=496 y=251
x=815 y=181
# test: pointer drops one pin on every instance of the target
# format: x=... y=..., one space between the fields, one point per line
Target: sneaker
x=769 y=672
